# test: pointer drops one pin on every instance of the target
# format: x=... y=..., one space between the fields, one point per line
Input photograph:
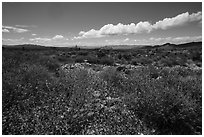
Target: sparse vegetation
x=93 y=91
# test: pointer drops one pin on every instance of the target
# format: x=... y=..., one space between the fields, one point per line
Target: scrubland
x=102 y=91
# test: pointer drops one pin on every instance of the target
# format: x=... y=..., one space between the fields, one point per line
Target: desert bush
x=101 y=54
x=32 y=96
x=196 y=56
x=135 y=62
x=141 y=60
x=106 y=61
x=168 y=62
x=25 y=83
x=91 y=59
x=166 y=106
x=83 y=53
x=62 y=58
x=50 y=63
x=79 y=59
x=12 y=59
x=119 y=56
x=127 y=56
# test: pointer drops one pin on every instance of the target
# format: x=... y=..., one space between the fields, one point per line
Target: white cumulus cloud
x=111 y=29
x=141 y=27
x=89 y=34
x=58 y=37
x=179 y=20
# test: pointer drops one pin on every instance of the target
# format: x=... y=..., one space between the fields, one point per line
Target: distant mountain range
x=30 y=46
x=164 y=46
x=184 y=45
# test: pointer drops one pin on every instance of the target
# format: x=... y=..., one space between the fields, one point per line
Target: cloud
x=5 y=30
x=34 y=34
x=15 y=29
x=111 y=29
x=141 y=27
x=40 y=39
x=58 y=37
x=179 y=20
x=118 y=29
x=53 y=39
x=26 y=26
x=90 y=34
x=160 y=39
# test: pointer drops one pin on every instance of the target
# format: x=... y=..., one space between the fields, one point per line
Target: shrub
x=83 y=53
x=29 y=98
x=49 y=63
x=127 y=56
x=119 y=56
x=92 y=59
x=141 y=60
x=101 y=54
x=106 y=61
x=79 y=59
x=165 y=106
x=62 y=58
x=135 y=62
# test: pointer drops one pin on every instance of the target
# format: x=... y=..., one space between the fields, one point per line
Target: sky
x=100 y=23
